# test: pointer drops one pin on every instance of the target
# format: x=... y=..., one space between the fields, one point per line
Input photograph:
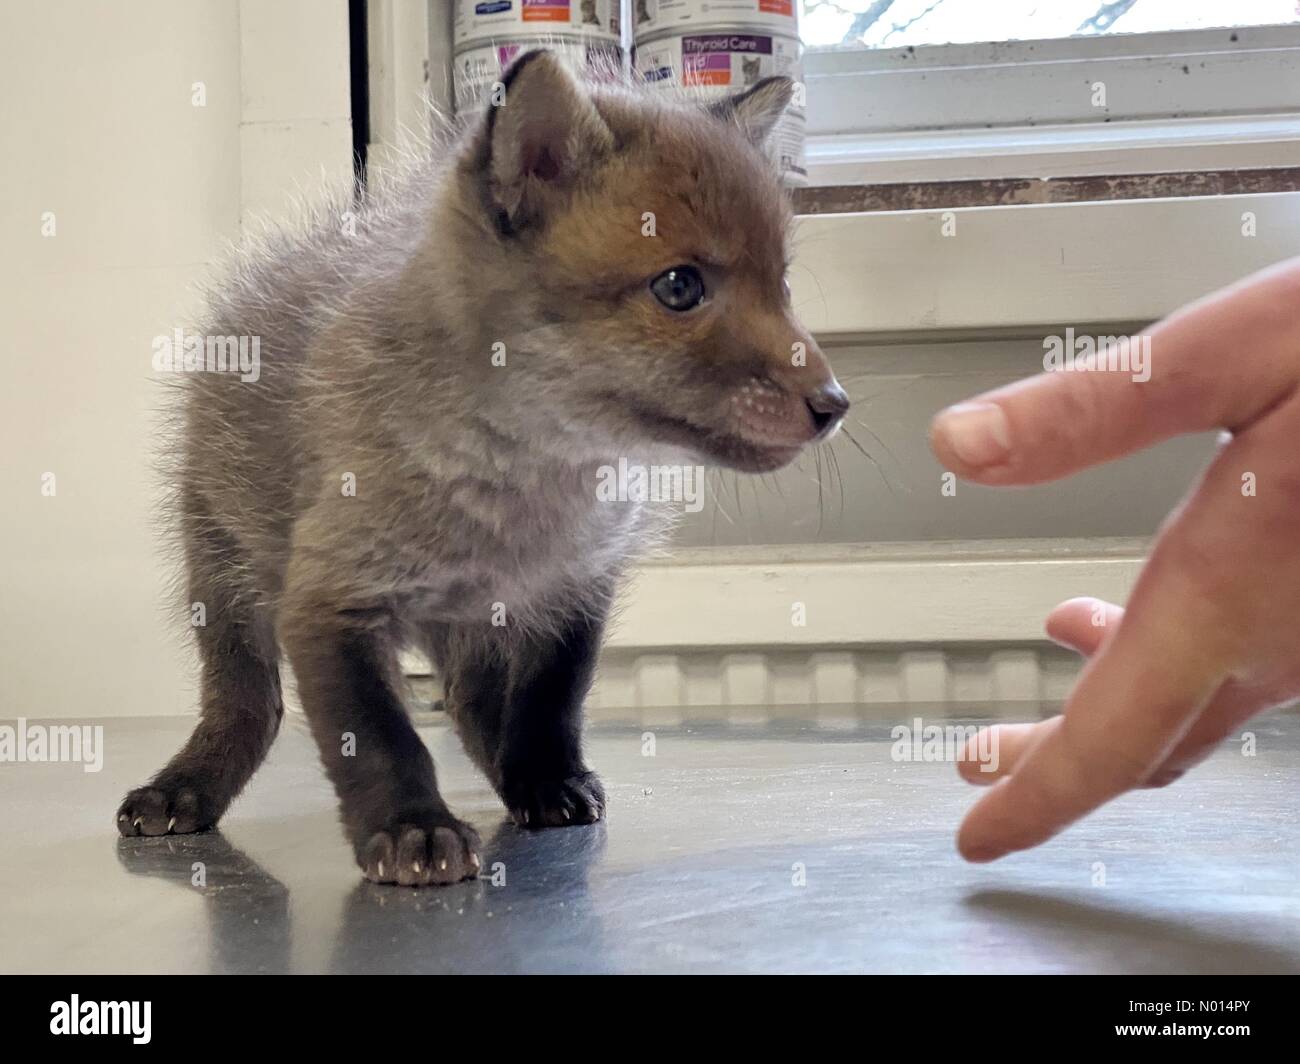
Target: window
x=910 y=23
x=1101 y=103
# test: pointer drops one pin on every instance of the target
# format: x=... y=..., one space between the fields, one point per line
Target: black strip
x=945 y=1013
x=359 y=70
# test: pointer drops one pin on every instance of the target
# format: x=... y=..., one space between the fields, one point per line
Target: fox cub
x=416 y=463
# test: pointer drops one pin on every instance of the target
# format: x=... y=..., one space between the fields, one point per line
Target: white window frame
x=1185 y=100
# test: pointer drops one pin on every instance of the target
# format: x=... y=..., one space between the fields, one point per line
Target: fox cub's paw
x=164 y=809
x=555 y=803
x=423 y=850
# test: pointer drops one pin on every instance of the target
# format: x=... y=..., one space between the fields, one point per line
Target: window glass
x=899 y=23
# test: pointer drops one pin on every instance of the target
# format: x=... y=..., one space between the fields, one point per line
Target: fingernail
x=978 y=433
x=977 y=852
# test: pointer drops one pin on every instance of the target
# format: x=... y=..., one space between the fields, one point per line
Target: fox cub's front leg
x=540 y=773
x=349 y=681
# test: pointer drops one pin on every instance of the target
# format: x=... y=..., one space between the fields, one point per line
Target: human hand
x=1211 y=635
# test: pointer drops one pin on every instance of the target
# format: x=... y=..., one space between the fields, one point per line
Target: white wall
x=99 y=127
x=145 y=188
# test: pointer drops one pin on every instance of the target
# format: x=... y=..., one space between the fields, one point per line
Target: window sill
x=1023 y=191
x=1076 y=150
x=999 y=271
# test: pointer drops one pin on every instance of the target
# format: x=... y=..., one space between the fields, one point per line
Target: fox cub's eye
x=680 y=288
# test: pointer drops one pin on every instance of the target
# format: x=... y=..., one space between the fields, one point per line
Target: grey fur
x=474 y=482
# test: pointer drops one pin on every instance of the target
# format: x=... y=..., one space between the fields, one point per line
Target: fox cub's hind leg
x=241 y=704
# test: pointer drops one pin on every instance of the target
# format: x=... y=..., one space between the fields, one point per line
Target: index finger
x=1217 y=363
x=1134 y=702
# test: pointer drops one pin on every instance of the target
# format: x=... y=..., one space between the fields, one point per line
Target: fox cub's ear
x=757 y=109
x=539 y=135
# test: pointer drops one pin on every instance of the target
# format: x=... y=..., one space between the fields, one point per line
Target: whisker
x=821 y=292
x=758 y=502
x=879 y=442
x=740 y=507
x=718 y=507
x=862 y=450
x=834 y=461
x=821 y=510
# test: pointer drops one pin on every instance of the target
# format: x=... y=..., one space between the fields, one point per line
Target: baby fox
x=593 y=273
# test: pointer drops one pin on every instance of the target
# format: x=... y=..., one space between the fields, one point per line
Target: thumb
x=1082 y=624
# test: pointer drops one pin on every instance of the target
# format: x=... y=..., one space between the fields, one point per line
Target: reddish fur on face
x=684 y=187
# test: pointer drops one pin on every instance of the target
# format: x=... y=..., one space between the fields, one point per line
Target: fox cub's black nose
x=827 y=405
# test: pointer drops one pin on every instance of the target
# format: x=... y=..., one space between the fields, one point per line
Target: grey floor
x=780 y=848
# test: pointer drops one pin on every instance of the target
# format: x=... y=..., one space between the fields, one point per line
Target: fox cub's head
x=631 y=255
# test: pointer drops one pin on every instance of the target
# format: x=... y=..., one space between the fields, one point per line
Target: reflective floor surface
x=776 y=848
